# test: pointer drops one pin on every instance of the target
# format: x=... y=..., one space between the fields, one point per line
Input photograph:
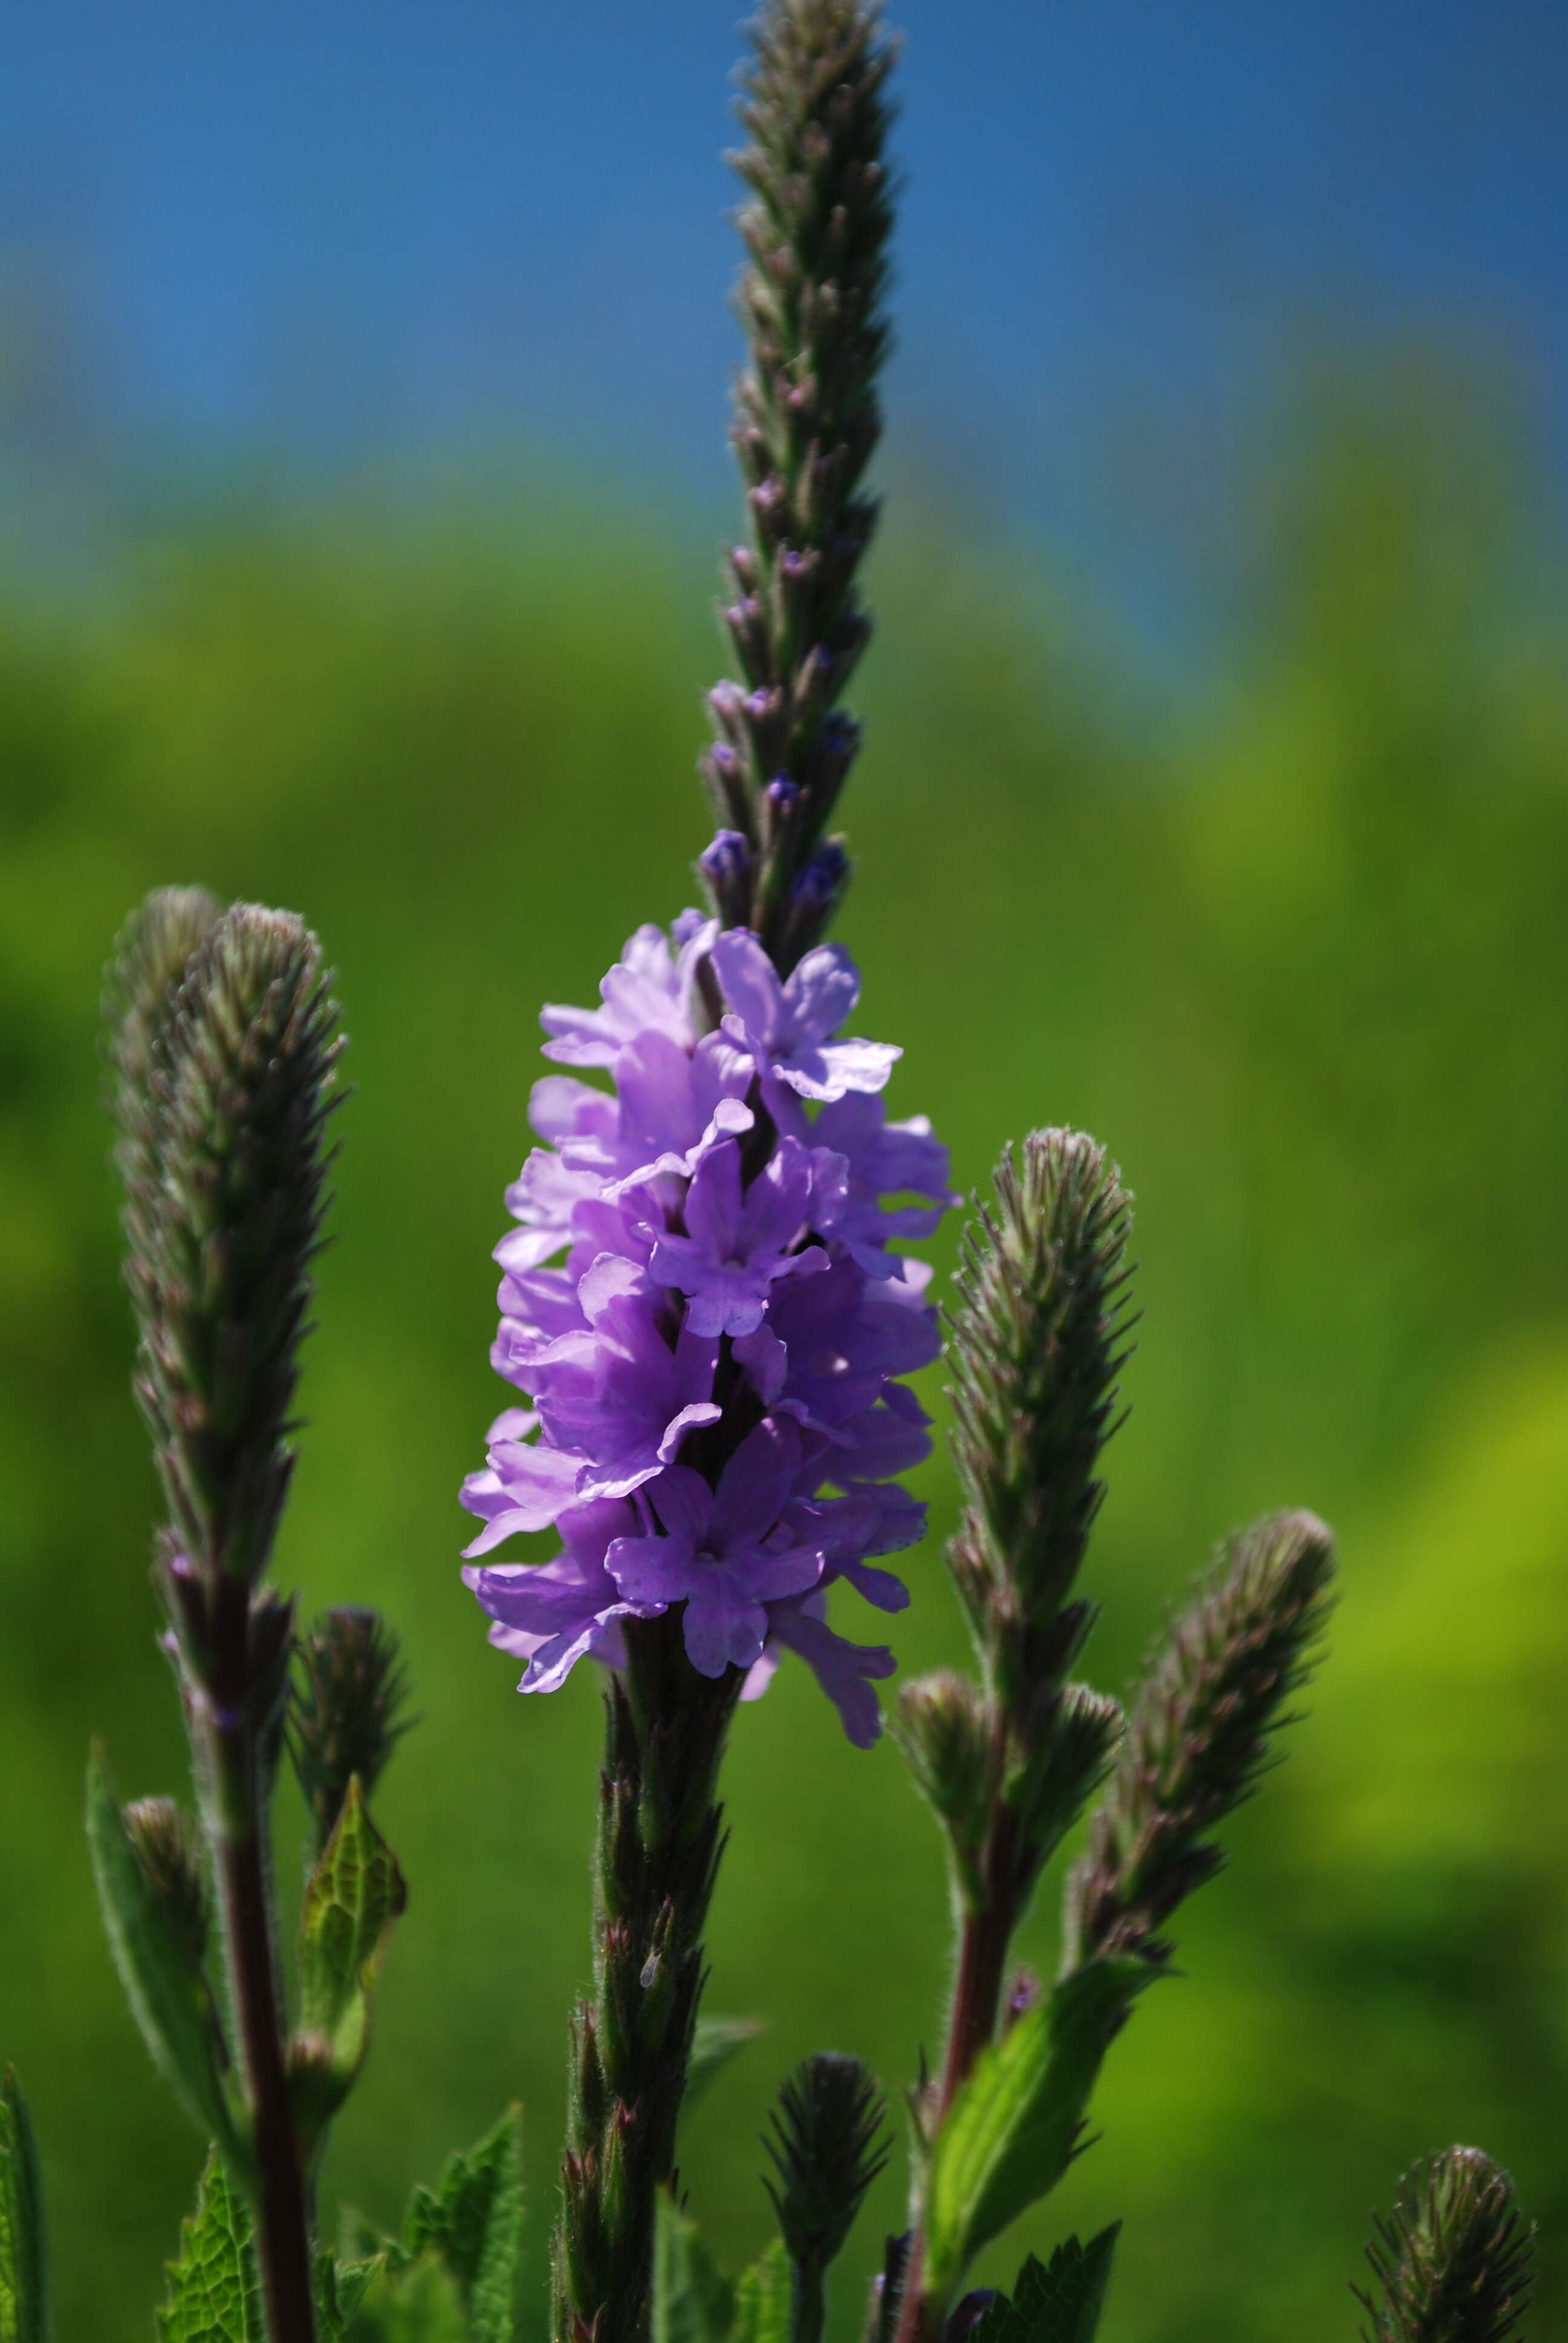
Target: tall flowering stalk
x=708 y=1321
x=223 y=1049
x=701 y=1304
x=1008 y=1763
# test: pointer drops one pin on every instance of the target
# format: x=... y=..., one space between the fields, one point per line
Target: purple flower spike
x=719 y=1552
x=666 y=1284
x=787 y=1028
x=737 y=1244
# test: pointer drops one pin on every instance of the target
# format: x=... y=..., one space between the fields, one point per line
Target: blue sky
x=334 y=228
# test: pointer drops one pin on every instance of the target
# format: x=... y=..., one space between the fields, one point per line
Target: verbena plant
x=707 y=1319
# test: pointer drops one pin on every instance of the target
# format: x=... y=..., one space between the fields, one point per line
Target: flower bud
x=951 y=1741
x=169 y=1849
x=1455 y=2259
x=344 y=1709
x=828 y=2146
x=726 y=868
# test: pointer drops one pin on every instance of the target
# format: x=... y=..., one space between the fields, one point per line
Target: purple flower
x=740 y=1241
x=845 y=1671
x=555 y=1613
x=718 y=1550
x=703 y=1276
x=786 y=1029
x=618 y=1397
x=648 y=990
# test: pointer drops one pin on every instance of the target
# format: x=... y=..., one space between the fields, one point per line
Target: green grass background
x=1294 y=947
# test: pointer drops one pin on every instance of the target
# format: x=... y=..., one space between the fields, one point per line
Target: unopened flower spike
x=221 y=1258
x=827 y=2145
x=1454 y=2263
x=815 y=229
x=1037 y=1339
x=346 y=1710
x=1200 y=1736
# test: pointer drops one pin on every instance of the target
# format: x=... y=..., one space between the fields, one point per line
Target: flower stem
x=237 y=1816
x=657 y=1859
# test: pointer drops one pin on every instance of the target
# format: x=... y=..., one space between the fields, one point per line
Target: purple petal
x=689 y=1419
x=754 y=1484
x=651 y=1569
x=684 y=1504
x=822 y=991
x=748 y=981
x=722 y=1629
x=842 y=1668
x=766 y=1360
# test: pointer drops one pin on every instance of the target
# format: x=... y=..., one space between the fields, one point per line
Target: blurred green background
x=1293 y=944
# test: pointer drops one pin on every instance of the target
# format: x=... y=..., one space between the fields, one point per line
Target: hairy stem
x=238 y=1825
x=657 y=1859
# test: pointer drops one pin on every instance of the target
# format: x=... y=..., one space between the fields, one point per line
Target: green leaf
x=714 y=2045
x=762 y=2299
x=416 y=2303
x=1059 y=2304
x=692 y=2302
x=169 y=1994
x=24 y=2267
x=340 y=2288
x=1013 y=2128
x=214 y=2289
x=473 y=2221
x=354 y=1896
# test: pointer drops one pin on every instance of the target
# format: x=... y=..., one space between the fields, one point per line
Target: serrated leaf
x=473 y=2221
x=354 y=1896
x=714 y=2044
x=1060 y=2303
x=762 y=2299
x=340 y=2288
x=170 y=1997
x=214 y=2288
x=692 y=2302
x=416 y=2303
x=1013 y=2128
x=24 y=2316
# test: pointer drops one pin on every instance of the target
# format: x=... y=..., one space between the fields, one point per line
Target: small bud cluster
x=1200 y=1736
x=826 y=2147
x=169 y=1849
x=346 y=1710
x=815 y=229
x=1454 y=2263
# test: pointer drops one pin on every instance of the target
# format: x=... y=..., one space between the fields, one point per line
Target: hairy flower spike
x=220 y=1266
x=807 y=419
x=1037 y=1340
x=1199 y=1737
x=828 y=2146
x=1453 y=2262
x=344 y=1710
x=141 y=985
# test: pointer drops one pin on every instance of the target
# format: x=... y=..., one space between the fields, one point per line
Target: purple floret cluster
x=702 y=1306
